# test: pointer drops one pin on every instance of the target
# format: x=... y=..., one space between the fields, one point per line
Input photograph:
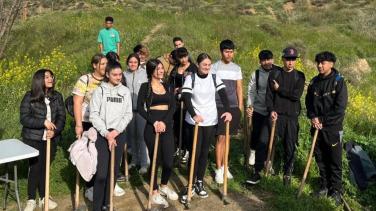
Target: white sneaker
x=219 y=176
x=143 y=170
x=30 y=205
x=118 y=191
x=167 y=192
x=252 y=157
x=158 y=199
x=89 y=194
x=51 y=204
x=229 y=175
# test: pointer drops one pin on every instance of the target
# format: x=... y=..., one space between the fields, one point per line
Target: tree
x=9 y=10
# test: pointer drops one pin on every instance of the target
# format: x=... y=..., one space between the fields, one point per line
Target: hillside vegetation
x=63 y=38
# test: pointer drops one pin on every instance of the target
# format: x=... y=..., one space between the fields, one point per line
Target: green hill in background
x=62 y=36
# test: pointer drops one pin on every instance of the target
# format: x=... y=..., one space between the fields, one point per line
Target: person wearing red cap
x=285 y=87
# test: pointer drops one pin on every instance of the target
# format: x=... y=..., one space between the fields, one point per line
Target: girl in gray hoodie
x=134 y=77
x=110 y=113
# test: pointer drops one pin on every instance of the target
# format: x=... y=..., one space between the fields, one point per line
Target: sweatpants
x=205 y=137
x=102 y=176
x=166 y=148
x=37 y=167
x=328 y=155
x=135 y=140
x=287 y=129
x=260 y=139
x=184 y=140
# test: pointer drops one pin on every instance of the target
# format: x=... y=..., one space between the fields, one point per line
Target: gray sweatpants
x=135 y=138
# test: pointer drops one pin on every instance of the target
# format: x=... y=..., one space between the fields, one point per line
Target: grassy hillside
x=65 y=40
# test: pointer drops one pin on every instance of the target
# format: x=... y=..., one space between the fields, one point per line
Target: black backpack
x=362 y=169
x=214 y=76
x=69 y=100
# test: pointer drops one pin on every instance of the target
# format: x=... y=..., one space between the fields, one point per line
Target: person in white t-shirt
x=231 y=75
x=198 y=93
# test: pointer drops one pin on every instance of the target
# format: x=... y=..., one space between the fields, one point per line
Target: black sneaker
x=336 y=196
x=323 y=192
x=286 y=180
x=200 y=189
x=184 y=194
x=121 y=178
x=185 y=157
x=254 y=179
x=177 y=153
x=106 y=208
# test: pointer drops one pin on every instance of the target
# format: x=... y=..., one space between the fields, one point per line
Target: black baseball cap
x=290 y=52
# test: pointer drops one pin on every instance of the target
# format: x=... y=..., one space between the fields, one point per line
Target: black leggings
x=37 y=167
x=102 y=176
x=184 y=140
x=204 y=138
x=165 y=148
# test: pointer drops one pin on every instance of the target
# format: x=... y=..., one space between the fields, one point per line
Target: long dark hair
x=111 y=66
x=38 y=86
x=151 y=66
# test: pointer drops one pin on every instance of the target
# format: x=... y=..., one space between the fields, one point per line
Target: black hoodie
x=327 y=99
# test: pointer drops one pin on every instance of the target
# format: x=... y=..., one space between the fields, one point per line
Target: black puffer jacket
x=327 y=99
x=33 y=115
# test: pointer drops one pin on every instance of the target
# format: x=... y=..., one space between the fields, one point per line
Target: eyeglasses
x=290 y=59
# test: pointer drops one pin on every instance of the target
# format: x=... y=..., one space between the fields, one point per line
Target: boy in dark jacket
x=326 y=103
x=285 y=87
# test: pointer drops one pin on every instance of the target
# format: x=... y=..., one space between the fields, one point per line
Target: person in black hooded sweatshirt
x=176 y=80
x=326 y=102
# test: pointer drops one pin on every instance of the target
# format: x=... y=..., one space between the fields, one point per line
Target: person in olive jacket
x=42 y=115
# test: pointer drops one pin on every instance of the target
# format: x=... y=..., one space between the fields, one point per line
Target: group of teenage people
x=148 y=97
x=274 y=95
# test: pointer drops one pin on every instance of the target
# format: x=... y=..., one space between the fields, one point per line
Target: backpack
x=69 y=100
x=362 y=169
x=338 y=77
x=214 y=76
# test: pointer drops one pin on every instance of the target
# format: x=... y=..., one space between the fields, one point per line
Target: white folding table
x=11 y=151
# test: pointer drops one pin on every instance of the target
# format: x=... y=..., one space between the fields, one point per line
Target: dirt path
x=154 y=30
x=136 y=199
